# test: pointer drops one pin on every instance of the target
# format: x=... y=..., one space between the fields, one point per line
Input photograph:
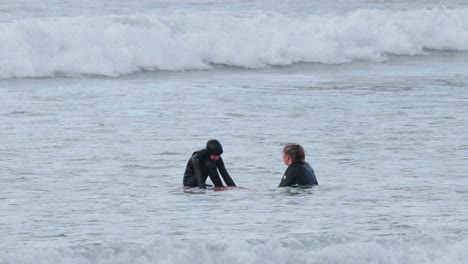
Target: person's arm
x=198 y=171
x=213 y=173
x=289 y=177
x=309 y=175
x=222 y=169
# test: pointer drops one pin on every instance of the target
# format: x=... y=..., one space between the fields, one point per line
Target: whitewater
x=114 y=45
x=103 y=102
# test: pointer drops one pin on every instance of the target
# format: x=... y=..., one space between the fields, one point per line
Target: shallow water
x=92 y=153
x=92 y=166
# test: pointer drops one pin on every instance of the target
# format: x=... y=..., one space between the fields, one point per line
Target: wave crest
x=115 y=45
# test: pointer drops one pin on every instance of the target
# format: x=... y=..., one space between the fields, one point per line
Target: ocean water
x=103 y=102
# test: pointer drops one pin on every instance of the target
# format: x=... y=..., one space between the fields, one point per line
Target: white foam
x=115 y=45
x=241 y=251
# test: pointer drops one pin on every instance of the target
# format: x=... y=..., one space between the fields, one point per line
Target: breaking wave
x=116 y=45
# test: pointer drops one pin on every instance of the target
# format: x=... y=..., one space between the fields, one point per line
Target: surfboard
x=214 y=189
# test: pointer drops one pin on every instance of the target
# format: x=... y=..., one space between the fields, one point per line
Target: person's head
x=293 y=152
x=214 y=149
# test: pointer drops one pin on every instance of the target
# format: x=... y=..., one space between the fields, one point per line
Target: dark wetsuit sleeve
x=198 y=171
x=213 y=173
x=222 y=169
x=311 y=179
x=289 y=177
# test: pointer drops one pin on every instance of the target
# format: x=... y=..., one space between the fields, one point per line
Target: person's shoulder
x=308 y=166
x=293 y=169
x=199 y=154
x=297 y=165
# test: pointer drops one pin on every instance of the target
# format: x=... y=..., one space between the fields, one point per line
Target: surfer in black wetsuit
x=204 y=163
x=299 y=172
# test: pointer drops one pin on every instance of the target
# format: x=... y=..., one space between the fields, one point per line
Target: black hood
x=213 y=147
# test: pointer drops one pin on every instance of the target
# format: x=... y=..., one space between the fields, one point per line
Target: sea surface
x=103 y=102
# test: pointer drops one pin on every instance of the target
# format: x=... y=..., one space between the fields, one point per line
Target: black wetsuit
x=200 y=166
x=298 y=173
